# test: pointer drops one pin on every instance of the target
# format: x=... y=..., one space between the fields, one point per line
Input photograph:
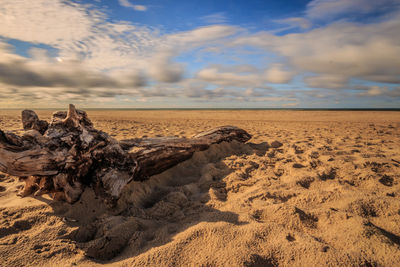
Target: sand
x=311 y=188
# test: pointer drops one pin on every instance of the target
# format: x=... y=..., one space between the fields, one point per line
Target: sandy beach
x=311 y=188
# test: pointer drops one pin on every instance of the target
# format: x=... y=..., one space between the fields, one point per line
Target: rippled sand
x=330 y=195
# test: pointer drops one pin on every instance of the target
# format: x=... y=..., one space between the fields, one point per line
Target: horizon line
x=298 y=109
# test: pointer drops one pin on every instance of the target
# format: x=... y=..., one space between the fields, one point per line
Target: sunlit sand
x=325 y=193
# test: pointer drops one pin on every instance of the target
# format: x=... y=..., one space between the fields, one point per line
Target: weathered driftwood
x=63 y=156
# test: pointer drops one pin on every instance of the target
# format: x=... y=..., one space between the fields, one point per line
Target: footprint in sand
x=18 y=226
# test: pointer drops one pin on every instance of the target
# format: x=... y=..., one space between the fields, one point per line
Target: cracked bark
x=63 y=156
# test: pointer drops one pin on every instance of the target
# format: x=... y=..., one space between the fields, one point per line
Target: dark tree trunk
x=63 y=156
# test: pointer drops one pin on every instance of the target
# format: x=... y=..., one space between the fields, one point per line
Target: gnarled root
x=63 y=156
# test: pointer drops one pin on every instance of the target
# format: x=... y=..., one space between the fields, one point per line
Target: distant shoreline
x=220 y=109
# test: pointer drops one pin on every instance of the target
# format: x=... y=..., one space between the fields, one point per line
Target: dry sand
x=330 y=195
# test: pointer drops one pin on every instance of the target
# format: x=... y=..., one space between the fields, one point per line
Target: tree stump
x=63 y=156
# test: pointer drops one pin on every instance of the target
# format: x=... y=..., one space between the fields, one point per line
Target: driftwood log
x=63 y=156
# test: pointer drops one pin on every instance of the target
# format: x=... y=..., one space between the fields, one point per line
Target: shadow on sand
x=150 y=214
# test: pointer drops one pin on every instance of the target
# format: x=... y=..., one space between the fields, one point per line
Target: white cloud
x=276 y=74
x=327 y=81
x=244 y=75
x=294 y=22
x=331 y=9
x=78 y=32
x=215 y=75
x=164 y=70
x=373 y=91
x=202 y=35
x=86 y=41
x=45 y=21
x=126 y=3
x=216 y=18
x=43 y=71
x=239 y=69
x=339 y=52
x=83 y=34
x=98 y=58
x=328 y=11
x=199 y=89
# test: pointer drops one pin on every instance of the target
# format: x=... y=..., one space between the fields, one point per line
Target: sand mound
x=328 y=194
x=153 y=211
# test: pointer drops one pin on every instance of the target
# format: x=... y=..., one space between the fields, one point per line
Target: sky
x=200 y=54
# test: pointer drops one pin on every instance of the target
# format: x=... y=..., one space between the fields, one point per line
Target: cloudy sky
x=180 y=53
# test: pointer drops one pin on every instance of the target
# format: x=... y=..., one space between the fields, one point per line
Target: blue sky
x=232 y=54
